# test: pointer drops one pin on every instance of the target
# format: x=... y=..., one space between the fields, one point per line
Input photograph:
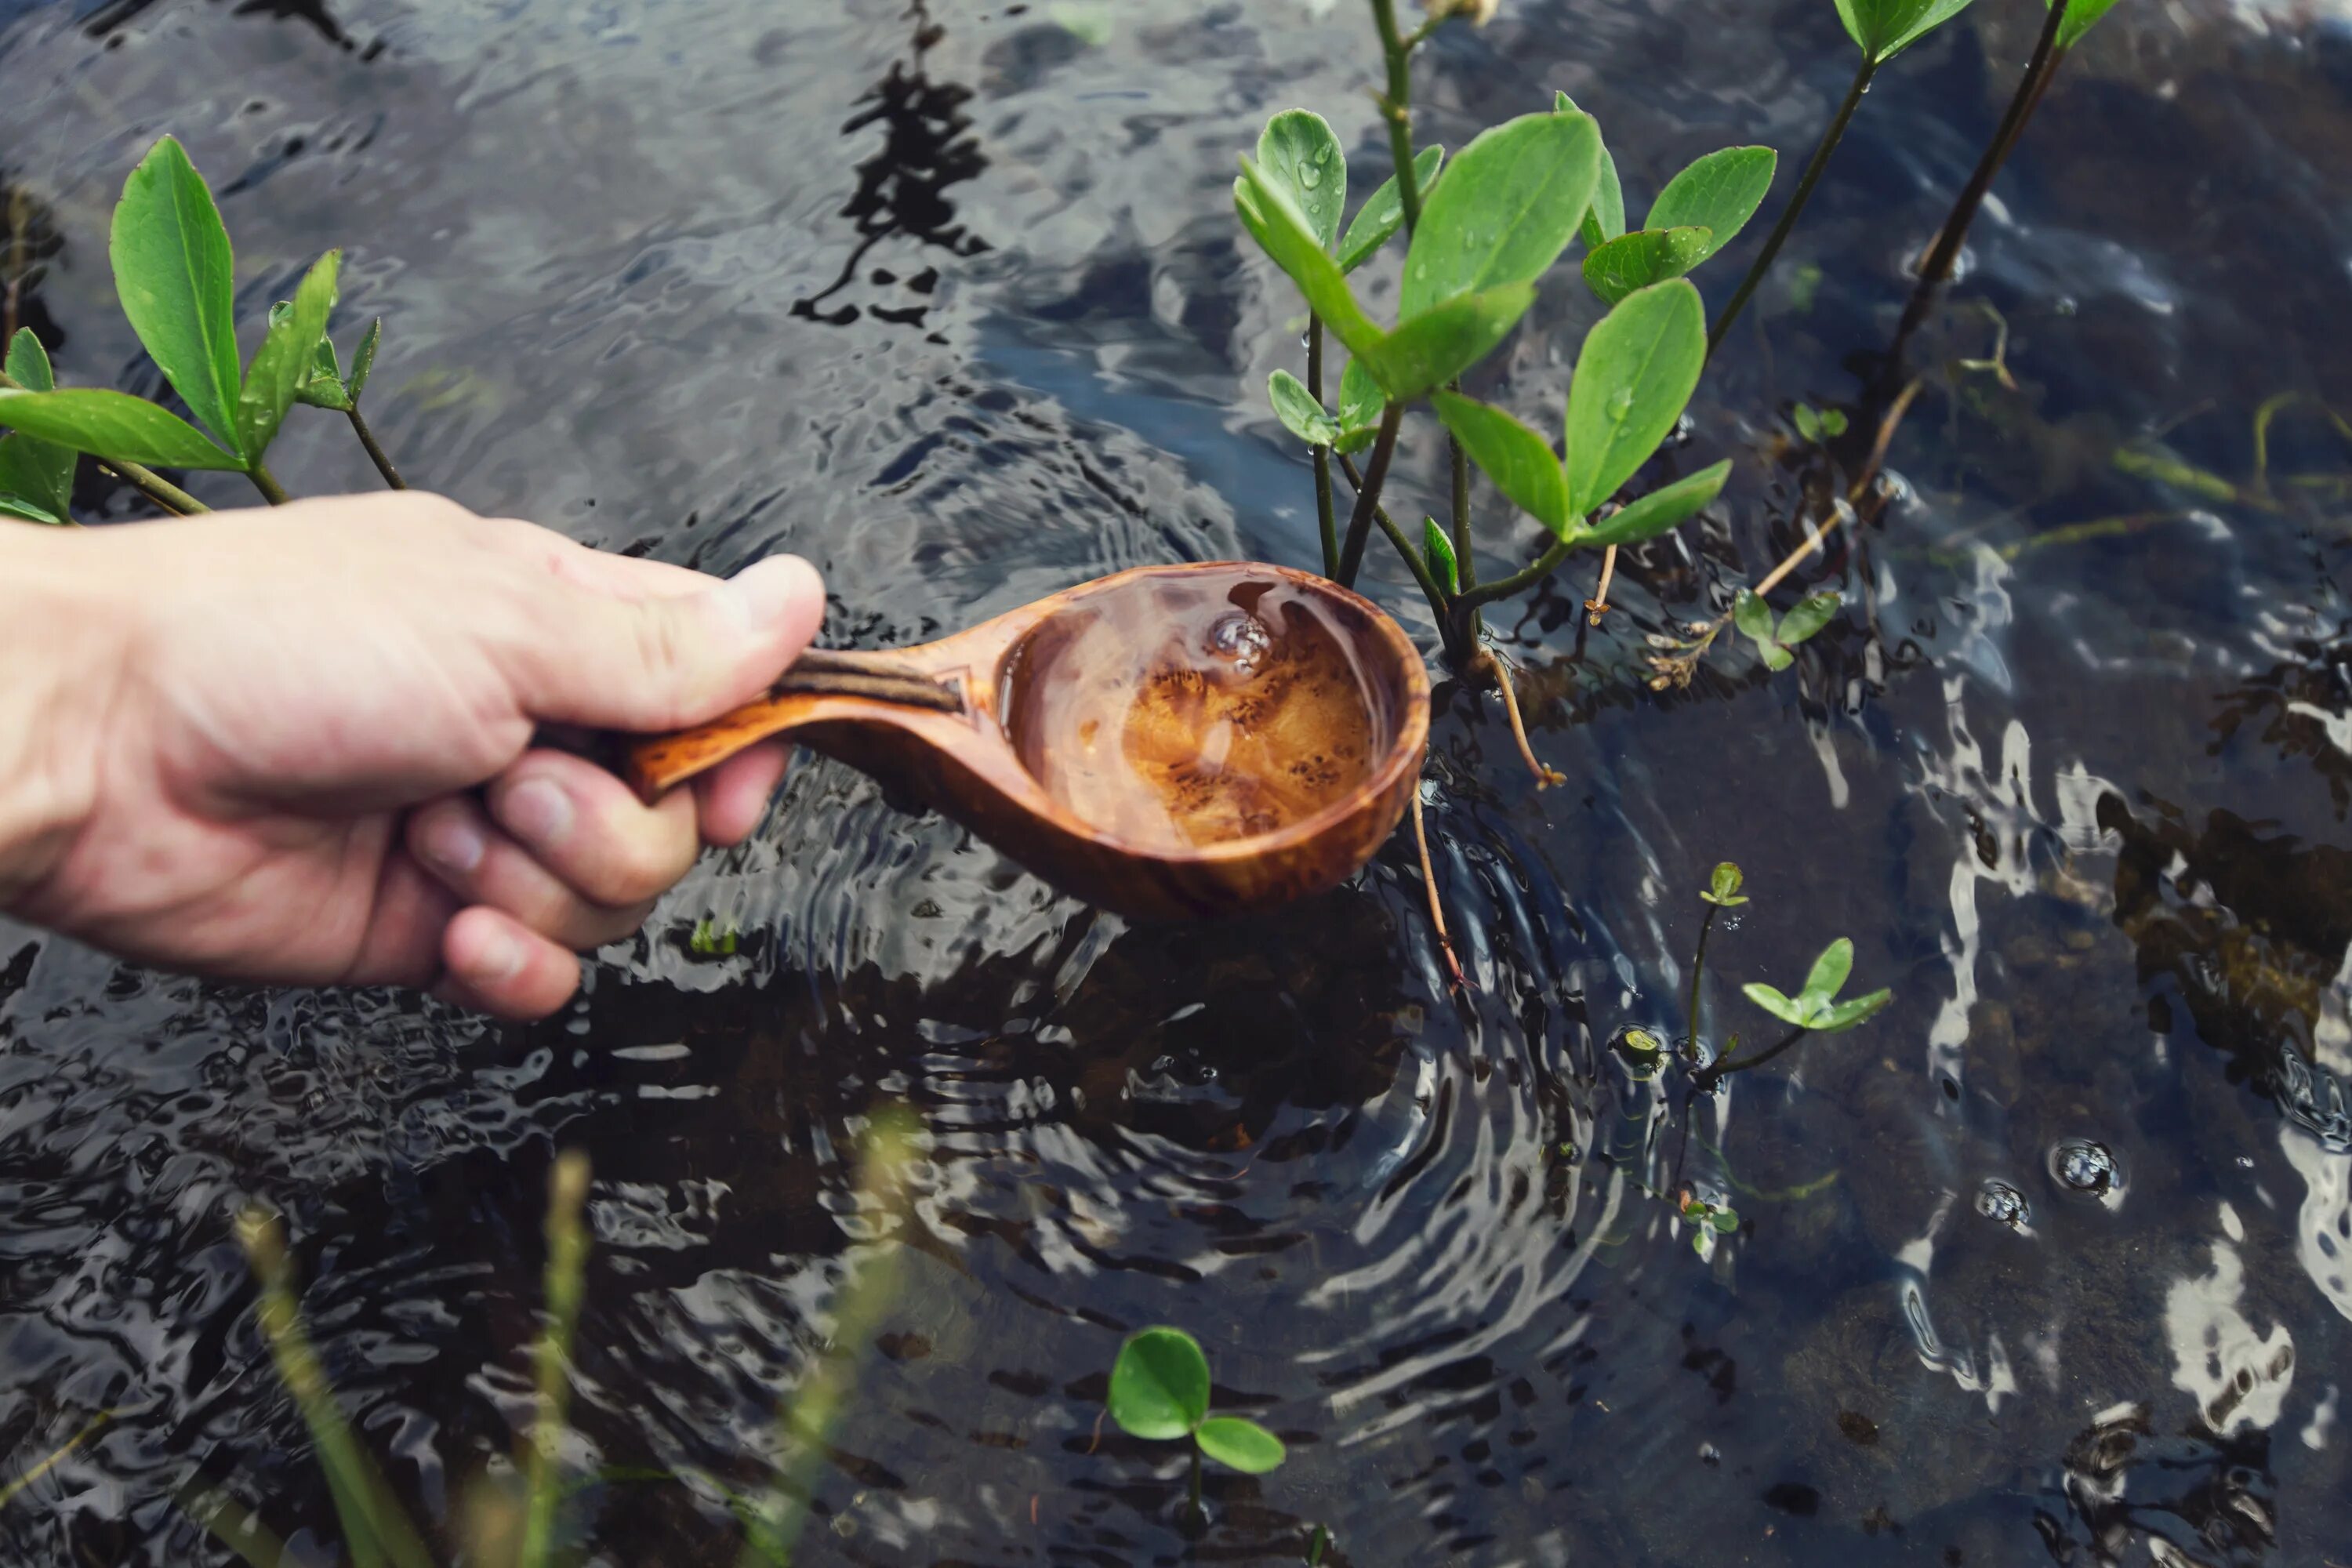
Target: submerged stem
x=1804 y=191
x=376 y=454
x=1707 y=1077
x=1368 y=495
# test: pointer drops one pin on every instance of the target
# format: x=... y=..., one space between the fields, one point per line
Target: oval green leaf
x=1506 y=208
x=113 y=425
x=17 y=509
x=286 y=358
x=363 y=360
x=1297 y=150
x=174 y=274
x=1809 y=615
x=1299 y=413
x=39 y=473
x=1519 y=461
x=1719 y=192
x=1635 y=372
x=1829 y=974
x=1244 y=1444
x=1361 y=397
x=1605 y=220
x=1383 y=215
x=1636 y=260
x=1752 y=615
x=1442 y=341
x=1440 y=551
x=1885 y=28
x=1667 y=507
x=1773 y=1002
x=1159 y=1384
x=2082 y=15
x=1846 y=1015
x=1275 y=221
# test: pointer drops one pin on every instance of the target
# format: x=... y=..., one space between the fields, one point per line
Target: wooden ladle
x=1168 y=743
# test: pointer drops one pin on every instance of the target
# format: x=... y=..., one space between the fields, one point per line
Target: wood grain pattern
x=962 y=764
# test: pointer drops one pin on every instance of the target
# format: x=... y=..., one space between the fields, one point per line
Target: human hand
x=294 y=745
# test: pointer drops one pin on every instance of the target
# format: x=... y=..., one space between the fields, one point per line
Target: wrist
x=53 y=676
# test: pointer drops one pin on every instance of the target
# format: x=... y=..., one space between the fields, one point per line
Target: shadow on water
x=2047 y=1261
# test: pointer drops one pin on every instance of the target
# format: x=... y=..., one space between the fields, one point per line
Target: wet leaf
x=1752 y=615
x=1440 y=551
x=1519 y=461
x=1244 y=1444
x=174 y=273
x=1723 y=886
x=1636 y=260
x=322 y=386
x=1159 y=1384
x=1846 y=1015
x=2081 y=17
x=1719 y=192
x=1605 y=219
x=1506 y=208
x=286 y=358
x=1299 y=150
x=38 y=474
x=113 y=425
x=1885 y=28
x=1383 y=215
x=1667 y=507
x=1361 y=403
x=1634 y=375
x=1779 y=1006
x=1284 y=234
x=1808 y=423
x=1432 y=348
x=363 y=360
x=1809 y=615
x=1725 y=1221
x=1299 y=413
x=1775 y=657
x=1829 y=974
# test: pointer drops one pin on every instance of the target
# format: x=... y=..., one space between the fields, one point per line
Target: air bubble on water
x=2004 y=1205
x=1242 y=640
x=2084 y=1166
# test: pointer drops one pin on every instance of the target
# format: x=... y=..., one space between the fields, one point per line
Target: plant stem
x=1196 y=1483
x=567 y=1263
x=266 y=483
x=376 y=454
x=1707 y=1077
x=1487 y=663
x=1817 y=534
x=1429 y=589
x=1812 y=176
x=1429 y=881
x=1368 y=496
x=1504 y=587
x=1597 y=606
x=2046 y=56
x=1465 y=563
x=146 y=481
x=1698 y=967
x=1396 y=108
x=1322 y=455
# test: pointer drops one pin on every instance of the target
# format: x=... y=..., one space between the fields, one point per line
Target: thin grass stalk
x=1779 y=236
x=2045 y=58
x=232 y=1524
x=376 y=454
x=375 y=1531
x=90 y=1428
x=566 y=1283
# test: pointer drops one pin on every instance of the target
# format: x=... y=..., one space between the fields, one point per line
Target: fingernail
x=768 y=591
x=453 y=844
x=497 y=956
x=538 y=812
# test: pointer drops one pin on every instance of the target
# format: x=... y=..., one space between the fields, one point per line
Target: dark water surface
x=950 y=300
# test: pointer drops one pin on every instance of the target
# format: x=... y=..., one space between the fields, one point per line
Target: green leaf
x=322 y=386
x=39 y=474
x=1636 y=371
x=1808 y=423
x=1299 y=413
x=1723 y=885
x=1159 y=1384
x=22 y=510
x=1719 y=192
x=1440 y=551
x=1775 y=657
x=1752 y=615
x=1244 y=1444
x=1809 y=615
x=1360 y=400
x=1605 y=219
x=1504 y=211
x=1647 y=256
x=1519 y=461
x=1383 y=215
x=1725 y=1221
x=1847 y=1014
x=1829 y=974
x=1284 y=234
x=113 y=425
x=1667 y=507
x=2082 y=15
x=174 y=273
x=1432 y=348
x=1885 y=28
x=363 y=360
x=286 y=358
x=1781 y=1007
x=1297 y=150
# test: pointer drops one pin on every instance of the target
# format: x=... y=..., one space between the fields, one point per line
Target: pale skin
x=294 y=746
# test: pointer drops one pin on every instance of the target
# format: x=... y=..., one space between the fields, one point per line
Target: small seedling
x=1708 y=1220
x=1818 y=424
x=1160 y=1391
x=1816 y=1007
x=1773 y=639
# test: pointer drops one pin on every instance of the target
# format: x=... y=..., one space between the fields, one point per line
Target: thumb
x=667 y=660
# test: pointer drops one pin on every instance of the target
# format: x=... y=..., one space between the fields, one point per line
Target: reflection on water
x=2050 y=1259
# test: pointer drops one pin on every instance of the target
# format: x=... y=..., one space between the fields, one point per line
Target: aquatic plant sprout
x=1160 y=1393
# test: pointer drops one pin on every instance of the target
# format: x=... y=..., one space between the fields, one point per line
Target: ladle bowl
x=1167 y=742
